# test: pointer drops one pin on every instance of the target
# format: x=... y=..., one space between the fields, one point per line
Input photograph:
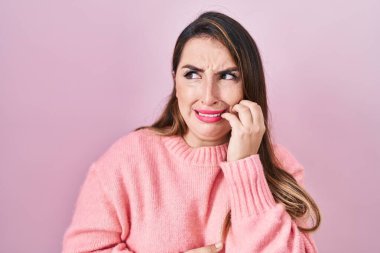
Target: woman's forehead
x=206 y=53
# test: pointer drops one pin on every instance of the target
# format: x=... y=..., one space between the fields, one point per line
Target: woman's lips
x=214 y=115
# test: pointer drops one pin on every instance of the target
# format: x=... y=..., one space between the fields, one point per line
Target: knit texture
x=150 y=193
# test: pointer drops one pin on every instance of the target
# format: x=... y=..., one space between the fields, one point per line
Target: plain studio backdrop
x=77 y=75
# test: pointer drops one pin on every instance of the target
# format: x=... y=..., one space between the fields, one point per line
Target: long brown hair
x=298 y=203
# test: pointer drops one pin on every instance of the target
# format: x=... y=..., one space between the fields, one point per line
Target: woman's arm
x=259 y=224
x=95 y=225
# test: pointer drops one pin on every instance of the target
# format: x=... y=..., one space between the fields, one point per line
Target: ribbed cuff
x=248 y=188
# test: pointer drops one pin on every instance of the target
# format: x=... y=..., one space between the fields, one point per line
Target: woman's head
x=201 y=85
x=213 y=43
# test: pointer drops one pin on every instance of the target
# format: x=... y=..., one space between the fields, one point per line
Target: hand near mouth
x=248 y=128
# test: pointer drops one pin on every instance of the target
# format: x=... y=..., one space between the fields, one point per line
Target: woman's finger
x=232 y=119
x=208 y=249
x=245 y=114
x=256 y=111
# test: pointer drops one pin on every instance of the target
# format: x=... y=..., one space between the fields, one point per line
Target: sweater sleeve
x=94 y=226
x=258 y=223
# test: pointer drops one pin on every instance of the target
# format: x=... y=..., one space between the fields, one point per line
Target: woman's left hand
x=247 y=130
x=213 y=248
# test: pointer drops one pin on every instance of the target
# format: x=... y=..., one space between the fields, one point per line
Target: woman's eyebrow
x=189 y=66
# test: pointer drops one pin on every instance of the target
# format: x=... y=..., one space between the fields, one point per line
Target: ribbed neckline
x=205 y=156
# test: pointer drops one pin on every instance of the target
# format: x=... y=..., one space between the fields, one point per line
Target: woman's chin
x=213 y=134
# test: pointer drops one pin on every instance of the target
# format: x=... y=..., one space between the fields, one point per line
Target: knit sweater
x=153 y=194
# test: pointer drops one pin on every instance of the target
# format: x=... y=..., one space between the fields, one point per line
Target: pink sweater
x=153 y=194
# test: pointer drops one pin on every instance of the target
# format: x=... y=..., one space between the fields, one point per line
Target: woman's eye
x=189 y=74
x=233 y=77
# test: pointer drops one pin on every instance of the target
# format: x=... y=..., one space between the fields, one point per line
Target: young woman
x=206 y=176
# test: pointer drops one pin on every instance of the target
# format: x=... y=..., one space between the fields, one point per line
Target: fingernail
x=219 y=245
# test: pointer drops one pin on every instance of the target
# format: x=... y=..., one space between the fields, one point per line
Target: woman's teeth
x=209 y=115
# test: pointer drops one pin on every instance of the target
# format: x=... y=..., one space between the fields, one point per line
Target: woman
x=205 y=177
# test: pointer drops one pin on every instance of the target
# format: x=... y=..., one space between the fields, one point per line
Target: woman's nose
x=210 y=93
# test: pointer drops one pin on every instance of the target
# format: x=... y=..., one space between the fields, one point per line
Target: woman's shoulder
x=128 y=146
x=136 y=138
x=139 y=136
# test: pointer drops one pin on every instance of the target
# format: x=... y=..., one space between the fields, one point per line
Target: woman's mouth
x=209 y=116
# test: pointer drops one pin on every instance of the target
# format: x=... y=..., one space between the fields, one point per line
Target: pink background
x=76 y=75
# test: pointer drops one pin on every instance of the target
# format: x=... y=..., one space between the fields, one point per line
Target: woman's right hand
x=207 y=249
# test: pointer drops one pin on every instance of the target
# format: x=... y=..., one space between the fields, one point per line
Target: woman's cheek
x=190 y=92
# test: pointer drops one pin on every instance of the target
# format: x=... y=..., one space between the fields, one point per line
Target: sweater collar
x=204 y=156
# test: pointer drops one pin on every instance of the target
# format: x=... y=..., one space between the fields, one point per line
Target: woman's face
x=209 y=87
